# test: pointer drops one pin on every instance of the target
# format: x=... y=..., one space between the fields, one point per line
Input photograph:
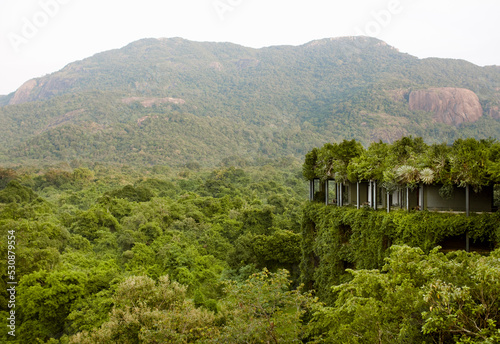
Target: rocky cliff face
x=40 y=89
x=22 y=95
x=449 y=105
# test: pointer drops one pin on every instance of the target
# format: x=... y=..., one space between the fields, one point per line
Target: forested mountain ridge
x=174 y=101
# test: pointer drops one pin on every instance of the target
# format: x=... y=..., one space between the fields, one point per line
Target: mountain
x=175 y=101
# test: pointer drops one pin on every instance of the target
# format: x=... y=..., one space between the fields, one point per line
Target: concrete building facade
x=372 y=194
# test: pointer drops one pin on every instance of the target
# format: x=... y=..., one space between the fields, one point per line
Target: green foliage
x=14 y=192
x=163 y=188
x=415 y=298
x=55 y=177
x=370 y=165
x=212 y=102
x=281 y=246
x=45 y=300
x=146 y=311
x=6 y=175
x=37 y=245
x=469 y=162
x=263 y=309
x=89 y=223
x=82 y=175
x=279 y=250
x=407 y=162
x=132 y=194
x=333 y=159
x=336 y=238
x=220 y=182
x=310 y=164
x=257 y=220
x=92 y=259
x=87 y=230
x=260 y=309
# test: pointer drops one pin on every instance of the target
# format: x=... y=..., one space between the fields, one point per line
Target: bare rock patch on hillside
x=449 y=105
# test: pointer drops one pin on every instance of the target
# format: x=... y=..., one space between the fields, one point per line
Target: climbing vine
x=338 y=238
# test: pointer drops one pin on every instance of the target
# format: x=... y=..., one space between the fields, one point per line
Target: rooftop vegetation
x=408 y=162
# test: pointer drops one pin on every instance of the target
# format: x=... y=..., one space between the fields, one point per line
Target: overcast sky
x=38 y=37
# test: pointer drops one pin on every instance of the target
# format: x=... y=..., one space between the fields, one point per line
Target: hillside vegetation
x=175 y=101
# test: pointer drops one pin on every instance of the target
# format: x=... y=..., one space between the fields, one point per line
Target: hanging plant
x=467 y=162
x=427 y=176
x=407 y=175
x=446 y=191
x=390 y=182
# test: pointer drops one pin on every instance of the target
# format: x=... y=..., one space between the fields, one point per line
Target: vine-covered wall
x=339 y=238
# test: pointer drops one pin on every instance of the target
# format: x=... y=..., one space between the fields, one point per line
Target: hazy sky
x=38 y=37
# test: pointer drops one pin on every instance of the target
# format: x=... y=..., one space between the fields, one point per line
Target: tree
x=465 y=309
x=6 y=175
x=89 y=223
x=415 y=298
x=133 y=194
x=469 y=160
x=45 y=300
x=310 y=164
x=146 y=311
x=14 y=192
x=263 y=309
x=370 y=165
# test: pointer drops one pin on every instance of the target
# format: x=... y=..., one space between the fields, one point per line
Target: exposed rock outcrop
x=40 y=88
x=23 y=93
x=449 y=105
x=149 y=102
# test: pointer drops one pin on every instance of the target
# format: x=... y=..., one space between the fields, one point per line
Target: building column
x=370 y=203
x=326 y=191
x=421 y=196
x=467 y=200
x=375 y=194
x=407 y=199
x=311 y=190
x=357 y=195
x=341 y=198
x=400 y=197
x=388 y=202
